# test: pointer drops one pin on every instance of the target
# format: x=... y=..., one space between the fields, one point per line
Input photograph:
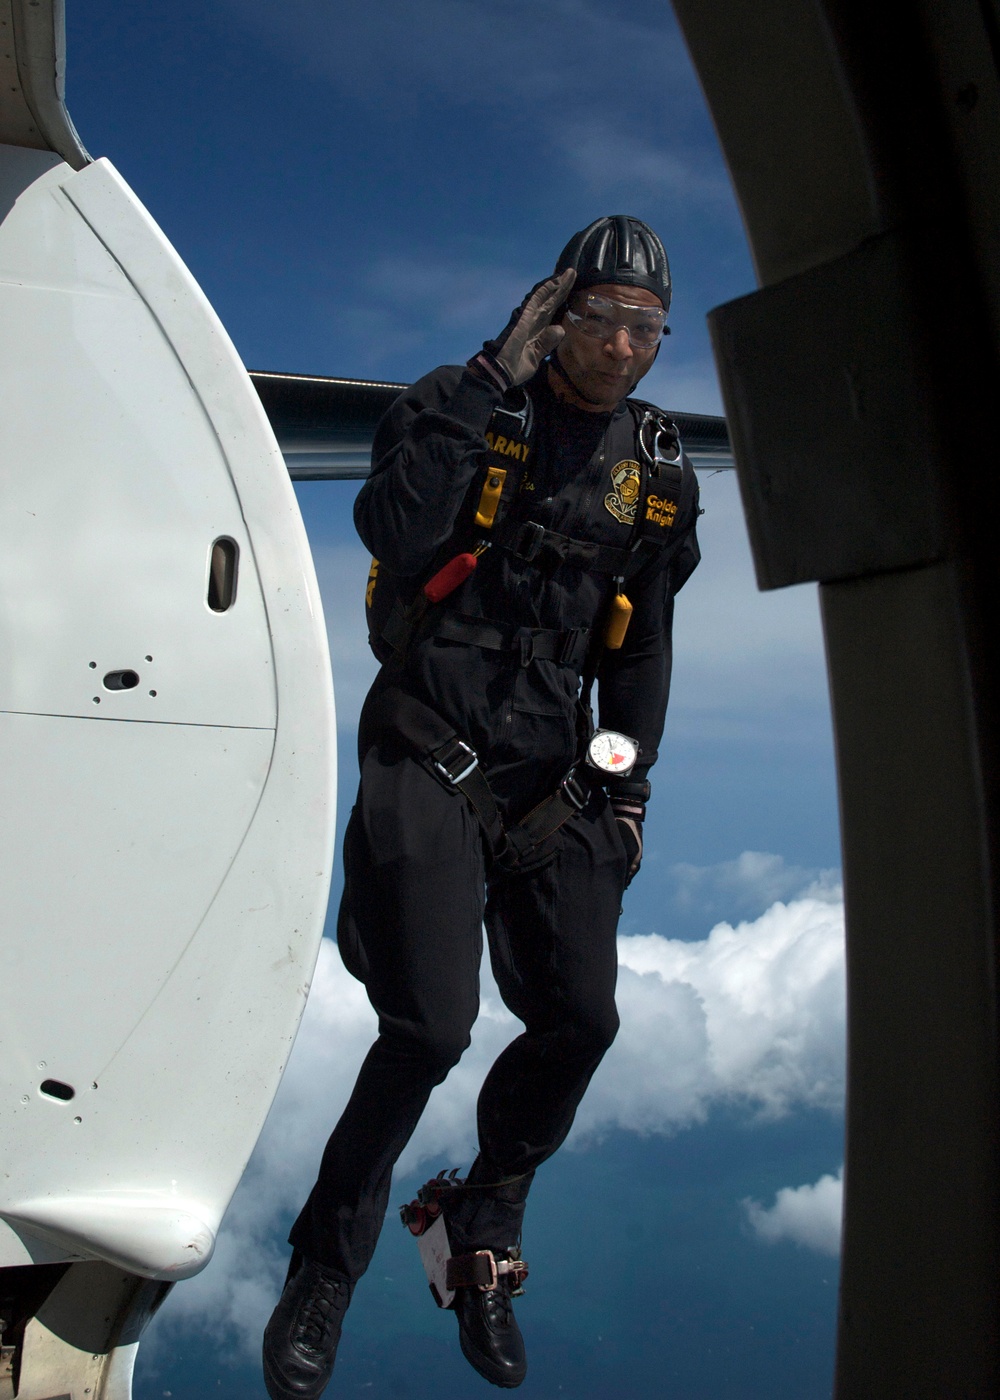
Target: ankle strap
x=483 y=1270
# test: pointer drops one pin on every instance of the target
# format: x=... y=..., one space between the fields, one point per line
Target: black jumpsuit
x=418 y=885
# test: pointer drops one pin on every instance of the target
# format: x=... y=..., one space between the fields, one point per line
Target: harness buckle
x=455 y=755
x=575 y=792
x=529 y=540
x=579 y=636
x=488 y=1258
x=525 y=641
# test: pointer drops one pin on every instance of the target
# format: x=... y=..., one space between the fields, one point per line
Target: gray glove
x=630 y=813
x=528 y=336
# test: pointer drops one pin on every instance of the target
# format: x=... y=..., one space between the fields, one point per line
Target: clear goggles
x=603 y=318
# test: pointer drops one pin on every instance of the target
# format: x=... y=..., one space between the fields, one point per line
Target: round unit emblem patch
x=623 y=500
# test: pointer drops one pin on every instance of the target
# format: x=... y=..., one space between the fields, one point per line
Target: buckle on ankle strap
x=483 y=1270
x=518 y=1271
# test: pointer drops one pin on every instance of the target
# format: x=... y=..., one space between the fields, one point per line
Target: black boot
x=300 y=1341
x=489 y=1335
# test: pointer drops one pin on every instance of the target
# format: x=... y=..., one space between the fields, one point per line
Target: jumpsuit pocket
x=543 y=688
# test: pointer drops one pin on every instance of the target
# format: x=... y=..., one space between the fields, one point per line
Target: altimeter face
x=613 y=753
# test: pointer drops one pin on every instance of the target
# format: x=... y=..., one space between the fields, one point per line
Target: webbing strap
x=569 y=798
x=457 y=763
x=567 y=648
x=446 y=754
x=547 y=548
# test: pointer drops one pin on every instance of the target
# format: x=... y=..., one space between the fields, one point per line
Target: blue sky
x=366 y=191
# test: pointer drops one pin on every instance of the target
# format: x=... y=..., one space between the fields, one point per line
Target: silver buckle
x=456 y=778
x=488 y=1254
x=517 y=1267
x=575 y=792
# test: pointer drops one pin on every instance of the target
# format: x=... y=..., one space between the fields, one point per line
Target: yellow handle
x=490 y=499
x=618 y=621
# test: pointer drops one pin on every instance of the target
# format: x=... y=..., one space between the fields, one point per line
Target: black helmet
x=618 y=249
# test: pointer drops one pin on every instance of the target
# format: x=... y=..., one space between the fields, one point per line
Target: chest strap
x=568 y=648
x=548 y=549
x=457 y=764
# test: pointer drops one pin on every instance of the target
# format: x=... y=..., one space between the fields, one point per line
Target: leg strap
x=457 y=763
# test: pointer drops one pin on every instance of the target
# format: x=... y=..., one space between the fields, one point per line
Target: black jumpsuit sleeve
x=634 y=682
x=424 y=456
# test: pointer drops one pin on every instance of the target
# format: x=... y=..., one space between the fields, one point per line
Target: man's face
x=604 y=371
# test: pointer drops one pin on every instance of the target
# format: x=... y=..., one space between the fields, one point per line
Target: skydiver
x=531 y=524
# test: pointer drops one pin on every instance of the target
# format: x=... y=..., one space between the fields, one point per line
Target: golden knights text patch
x=660 y=510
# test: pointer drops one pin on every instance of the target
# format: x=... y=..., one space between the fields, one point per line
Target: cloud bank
x=755 y=879
x=752 y=1016
x=749 y=666
x=805 y=1215
x=522 y=60
x=615 y=162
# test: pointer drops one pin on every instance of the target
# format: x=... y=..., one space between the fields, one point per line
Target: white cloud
x=805 y=1215
x=764 y=1001
x=751 y=1016
x=747 y=665
x=755 y=880
x=526 y=77
x=502 y=53
x=449 y=292
x=423 y=307
x=612 y=160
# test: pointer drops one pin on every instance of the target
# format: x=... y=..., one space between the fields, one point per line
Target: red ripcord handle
x=447 y=579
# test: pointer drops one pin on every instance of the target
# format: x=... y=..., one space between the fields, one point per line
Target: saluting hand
x=528 y=336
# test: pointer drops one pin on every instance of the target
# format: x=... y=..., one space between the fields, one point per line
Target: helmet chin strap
x=557 y=365
x=560 y=369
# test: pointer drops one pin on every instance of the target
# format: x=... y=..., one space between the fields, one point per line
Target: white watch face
x=612 y=753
